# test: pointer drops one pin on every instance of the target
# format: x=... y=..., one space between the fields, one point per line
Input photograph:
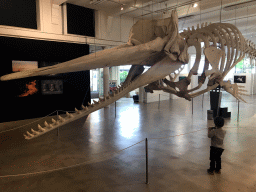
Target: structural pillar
x=141 y=94
x=118 y=75
x=105 y=81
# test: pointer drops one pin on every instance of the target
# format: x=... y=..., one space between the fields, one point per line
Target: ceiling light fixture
x=195 y=5
x=122 y=8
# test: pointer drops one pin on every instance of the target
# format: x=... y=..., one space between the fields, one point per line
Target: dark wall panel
x=76 y=85
x=80 y=20
x=18 y=13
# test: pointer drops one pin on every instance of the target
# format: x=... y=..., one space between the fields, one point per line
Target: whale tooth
x=53 y=120
x=46 y=124
x=77 y=111
x=69 y=115
x=29 y=134
x=96 y=102
x=83 y=107
x=61 y=119
x=26 y=137
x=35 y=132
x=40 y=128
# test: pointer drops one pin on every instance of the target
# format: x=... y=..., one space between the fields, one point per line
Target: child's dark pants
x=215 y=158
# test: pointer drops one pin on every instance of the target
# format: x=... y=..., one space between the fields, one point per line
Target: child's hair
x=219 y=122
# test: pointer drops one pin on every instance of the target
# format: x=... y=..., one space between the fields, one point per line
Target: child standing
x=217 y=135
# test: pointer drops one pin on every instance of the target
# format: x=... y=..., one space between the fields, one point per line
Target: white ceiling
x=206 y=11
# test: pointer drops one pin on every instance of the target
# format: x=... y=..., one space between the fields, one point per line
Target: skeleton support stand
x=146 y=143
x=115 y=108
x=192 y=106
x=238 y=111
x=159 y=102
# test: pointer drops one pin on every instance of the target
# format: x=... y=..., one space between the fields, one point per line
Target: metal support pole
x=58 y=127
x=146 y=142
x=115 y=108
x=238 y=111
x=203 y=102
x=159 y=102
x=192 y=105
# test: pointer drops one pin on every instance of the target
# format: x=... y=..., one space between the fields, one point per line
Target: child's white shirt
x=217 y=136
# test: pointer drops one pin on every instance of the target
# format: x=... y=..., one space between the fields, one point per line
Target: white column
x=141 y=94
x=118 y=75
x=64 y=19
x=105 y=81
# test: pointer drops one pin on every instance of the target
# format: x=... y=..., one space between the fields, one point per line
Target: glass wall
x=94 y=80
x=244 y=66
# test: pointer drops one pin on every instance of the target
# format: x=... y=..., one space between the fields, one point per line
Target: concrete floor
x=178 y=151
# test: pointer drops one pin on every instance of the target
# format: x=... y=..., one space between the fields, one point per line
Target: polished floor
x=107 y=153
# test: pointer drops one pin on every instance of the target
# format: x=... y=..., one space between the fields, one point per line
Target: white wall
x=112 y=28
x=249 y=83
x=50 y=19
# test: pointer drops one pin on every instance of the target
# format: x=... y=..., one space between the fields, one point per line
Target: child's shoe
x=210 y=171
x=218 y=171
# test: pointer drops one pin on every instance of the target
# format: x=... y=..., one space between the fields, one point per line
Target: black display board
x=18 y=13
x=74 y=87
x=80 y=20
x=239 y=79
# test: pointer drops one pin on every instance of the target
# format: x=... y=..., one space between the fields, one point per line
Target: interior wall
x=80 y=20
x=50 y=15
x=21 y=13
x=112 y=28
x=51 y=27
x=76 y=86
x=248 y=84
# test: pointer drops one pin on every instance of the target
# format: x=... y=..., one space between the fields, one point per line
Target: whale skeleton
x=159 y=45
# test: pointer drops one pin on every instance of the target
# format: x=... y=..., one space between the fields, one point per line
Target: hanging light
x=195 y=5
x=122 y=8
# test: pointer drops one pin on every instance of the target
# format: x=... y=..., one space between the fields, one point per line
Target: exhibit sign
x=26 y=87
x=240 y=79
x=50 y=87
x=18 y=66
